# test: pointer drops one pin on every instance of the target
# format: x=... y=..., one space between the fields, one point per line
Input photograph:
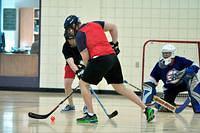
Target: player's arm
x=82 y=47
x=191 y=68
x=71 y=63
x=112 y=28
x=85 y=56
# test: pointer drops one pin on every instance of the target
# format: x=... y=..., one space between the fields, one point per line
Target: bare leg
x=68 y=89
x=121 y=89
x=87 y=97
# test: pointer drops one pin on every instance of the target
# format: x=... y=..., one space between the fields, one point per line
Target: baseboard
x=57 y=90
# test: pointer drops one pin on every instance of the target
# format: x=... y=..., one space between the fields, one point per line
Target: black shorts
x=107 y=66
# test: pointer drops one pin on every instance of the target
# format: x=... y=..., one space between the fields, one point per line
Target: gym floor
x=14 y=108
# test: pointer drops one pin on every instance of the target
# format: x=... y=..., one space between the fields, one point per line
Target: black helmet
x=70 y=20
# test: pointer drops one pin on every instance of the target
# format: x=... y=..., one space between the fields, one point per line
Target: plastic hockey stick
x=171 y=107
x=183 y=106
x=113 y=114
x=164 y=103
x=140 y=90
x=180 y=107
x=38 y=116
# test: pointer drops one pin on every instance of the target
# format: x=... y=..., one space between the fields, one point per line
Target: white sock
x=90 y=114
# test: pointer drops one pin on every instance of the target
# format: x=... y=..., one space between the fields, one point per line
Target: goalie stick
x=171 y=107
x=38 y=116
x=165 y=104
x=113 y=114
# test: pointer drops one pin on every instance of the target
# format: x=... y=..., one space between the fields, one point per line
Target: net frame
x=148 y=42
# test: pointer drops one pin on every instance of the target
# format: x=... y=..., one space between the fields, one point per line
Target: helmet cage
x=70 y=25
x=165 y=61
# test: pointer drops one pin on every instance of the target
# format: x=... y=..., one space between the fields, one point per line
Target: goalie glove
x=191 y=70
x=149 y=90
x=115 y=46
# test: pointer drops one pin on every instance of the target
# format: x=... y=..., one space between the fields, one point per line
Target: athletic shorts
x=107 y=66
x=69 y=73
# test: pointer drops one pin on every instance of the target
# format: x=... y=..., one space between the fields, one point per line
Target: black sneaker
x=88 y=119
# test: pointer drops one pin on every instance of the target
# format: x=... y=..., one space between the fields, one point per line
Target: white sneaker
x=68 y=108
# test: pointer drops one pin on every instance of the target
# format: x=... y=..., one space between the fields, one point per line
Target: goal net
x=152 y=54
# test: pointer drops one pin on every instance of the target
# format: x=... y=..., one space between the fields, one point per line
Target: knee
x=83 y=84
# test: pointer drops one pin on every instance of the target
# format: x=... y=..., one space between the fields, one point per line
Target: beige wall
x=137 y=21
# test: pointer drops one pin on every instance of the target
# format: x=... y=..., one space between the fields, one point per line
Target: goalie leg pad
x=194 y=94
x=149 y=91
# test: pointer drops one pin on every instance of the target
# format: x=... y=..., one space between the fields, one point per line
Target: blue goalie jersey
x=178 y=64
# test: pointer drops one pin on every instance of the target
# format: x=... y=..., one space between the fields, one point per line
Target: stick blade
x=113 y=114
x=37 y=116
x=183 y=106
x=164 y=103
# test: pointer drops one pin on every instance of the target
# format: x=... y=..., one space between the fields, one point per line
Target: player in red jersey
x=100 y=58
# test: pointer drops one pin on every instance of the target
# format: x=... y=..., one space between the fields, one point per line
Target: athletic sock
x=90 y=114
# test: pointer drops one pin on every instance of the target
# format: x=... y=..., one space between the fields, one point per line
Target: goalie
x=178 y=75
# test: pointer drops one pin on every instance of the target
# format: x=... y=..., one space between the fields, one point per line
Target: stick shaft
x=93 y=92
x=38 y=116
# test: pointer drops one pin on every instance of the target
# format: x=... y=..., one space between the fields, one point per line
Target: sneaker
x=68 y=108
x=85 y=110
x=87 y=119
x=149 y=112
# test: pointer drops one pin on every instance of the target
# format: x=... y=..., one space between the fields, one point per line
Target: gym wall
x=137 y=22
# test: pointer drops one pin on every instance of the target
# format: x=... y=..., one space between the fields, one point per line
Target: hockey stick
x=186 y=103
x=183 y=106
x=38 y=116
x=125 y=81
x=113 y=114
x=171 y=107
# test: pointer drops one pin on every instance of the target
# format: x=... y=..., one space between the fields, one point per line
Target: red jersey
x=92 y=37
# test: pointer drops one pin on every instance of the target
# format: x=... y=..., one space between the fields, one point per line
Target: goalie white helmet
x=167 y=54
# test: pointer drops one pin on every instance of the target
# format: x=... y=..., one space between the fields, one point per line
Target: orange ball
x=52 y=118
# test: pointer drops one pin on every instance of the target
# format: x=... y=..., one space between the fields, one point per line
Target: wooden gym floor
x=14 y=108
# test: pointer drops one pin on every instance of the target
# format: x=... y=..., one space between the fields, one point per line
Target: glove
x=190 y=71
x=80 y=70
x=115 y=47
x=79 y=73
x=81 y=66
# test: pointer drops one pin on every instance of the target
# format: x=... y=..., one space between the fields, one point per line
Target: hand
x=190 y=71
x=79 y=73
x=115 y=46
x=81 y=66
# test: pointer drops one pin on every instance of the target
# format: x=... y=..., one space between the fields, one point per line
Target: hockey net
x=152 y=53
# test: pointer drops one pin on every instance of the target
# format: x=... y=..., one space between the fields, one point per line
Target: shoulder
x=80 y=35
x=101 y=23
x=66 y=46
x=180 y=58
